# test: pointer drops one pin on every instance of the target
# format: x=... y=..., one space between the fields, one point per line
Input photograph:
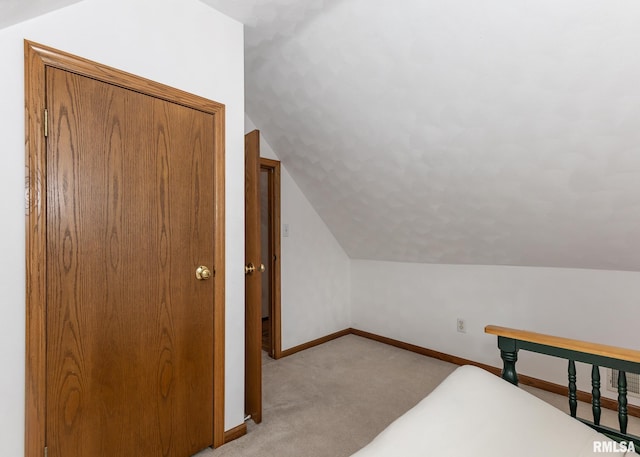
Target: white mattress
x=475 y=413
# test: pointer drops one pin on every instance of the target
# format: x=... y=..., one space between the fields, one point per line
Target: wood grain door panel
x=130 y=216
x=253 y=281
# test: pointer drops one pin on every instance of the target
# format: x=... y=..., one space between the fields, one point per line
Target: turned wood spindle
x=595 y=393
x=573 y=398
x=622 y=401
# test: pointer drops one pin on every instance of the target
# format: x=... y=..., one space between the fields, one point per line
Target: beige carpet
x=331 y=400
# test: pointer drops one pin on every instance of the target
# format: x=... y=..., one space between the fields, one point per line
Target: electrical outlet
x=461 y=326
x=285 y=229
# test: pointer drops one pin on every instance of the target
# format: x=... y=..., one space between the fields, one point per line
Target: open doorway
x=270 y=247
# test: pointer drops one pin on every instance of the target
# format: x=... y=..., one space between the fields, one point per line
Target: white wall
x=419 y=304
x=315 y=268
x=182 y=43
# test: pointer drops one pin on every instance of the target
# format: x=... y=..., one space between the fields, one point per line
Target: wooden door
x=129 y=327
x=253 y=284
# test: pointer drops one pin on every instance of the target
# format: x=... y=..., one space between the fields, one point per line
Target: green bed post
x=509 y=355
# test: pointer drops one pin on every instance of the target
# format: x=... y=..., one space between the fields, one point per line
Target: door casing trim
x=273 y=167
x=37 y=59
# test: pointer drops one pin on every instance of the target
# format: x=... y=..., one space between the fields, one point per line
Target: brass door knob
x=203 y=273
x=249 y=268
x=262 y=268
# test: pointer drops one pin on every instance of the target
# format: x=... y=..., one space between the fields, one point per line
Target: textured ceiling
x=14 y=11
x=451 y=131
x=439 y=131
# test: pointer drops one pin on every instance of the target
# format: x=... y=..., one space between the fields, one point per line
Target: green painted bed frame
x=510 y=341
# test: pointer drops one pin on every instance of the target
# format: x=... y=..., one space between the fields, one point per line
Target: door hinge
x=46 y=451
x=46 y=133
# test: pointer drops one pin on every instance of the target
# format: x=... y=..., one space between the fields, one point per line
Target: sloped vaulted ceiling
x=464 y=131
x=452 y=131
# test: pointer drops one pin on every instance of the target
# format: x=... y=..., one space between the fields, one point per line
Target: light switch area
x=285 y=229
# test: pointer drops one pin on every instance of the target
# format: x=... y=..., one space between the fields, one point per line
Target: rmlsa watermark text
x=612 y=446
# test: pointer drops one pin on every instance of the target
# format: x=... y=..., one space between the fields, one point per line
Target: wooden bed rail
x=613 y=352
x=598 y=355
